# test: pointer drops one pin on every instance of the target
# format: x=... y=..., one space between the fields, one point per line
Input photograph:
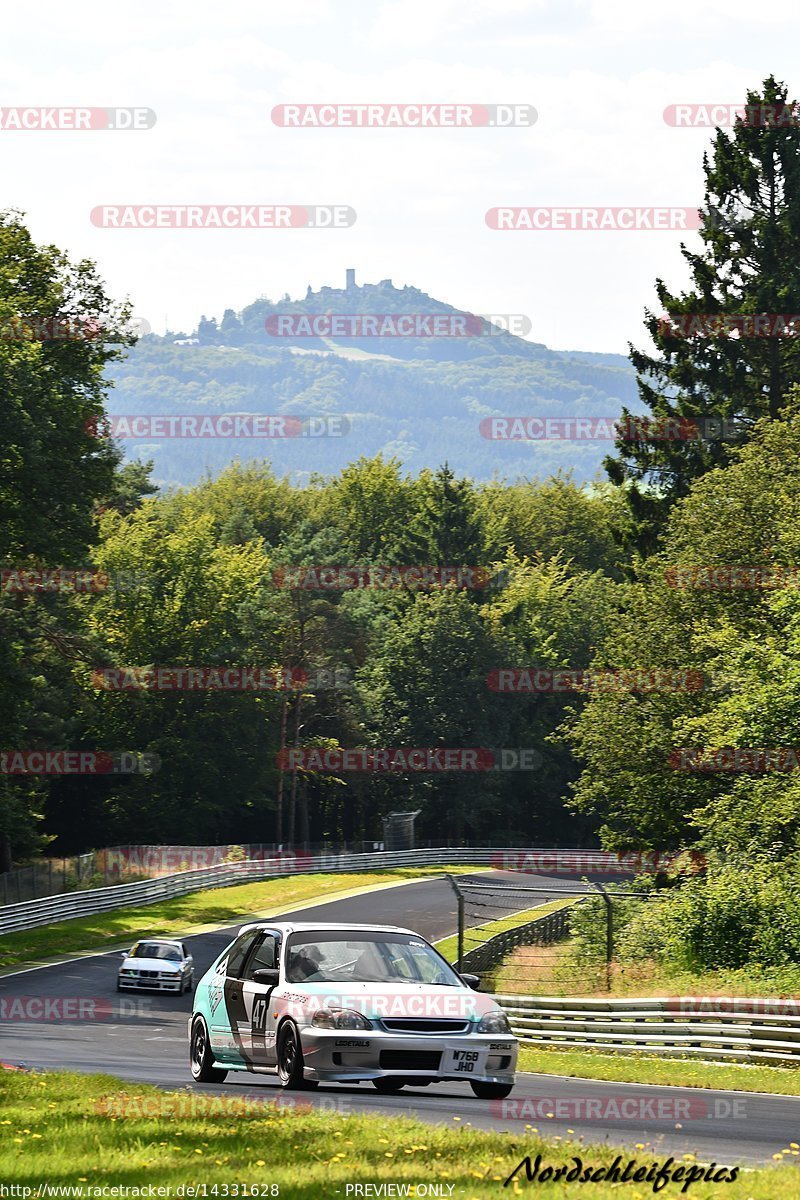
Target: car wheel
x=200 y=1057
x=290 y=1059
x=388 y=1085
x=491 y=1091
x=119 y=986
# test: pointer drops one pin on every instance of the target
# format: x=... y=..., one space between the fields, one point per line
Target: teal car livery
x=347 y=1003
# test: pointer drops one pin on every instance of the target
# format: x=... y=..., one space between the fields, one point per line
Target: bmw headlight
x=339 y=1018
x=494 y=1022
x=128 y=971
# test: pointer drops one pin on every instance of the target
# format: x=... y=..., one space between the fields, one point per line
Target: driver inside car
x=304 y=964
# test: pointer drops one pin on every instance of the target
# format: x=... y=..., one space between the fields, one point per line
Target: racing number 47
x=260 y=1013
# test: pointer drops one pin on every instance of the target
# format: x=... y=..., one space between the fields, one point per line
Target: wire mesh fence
x=556 y=940
x=48 y=877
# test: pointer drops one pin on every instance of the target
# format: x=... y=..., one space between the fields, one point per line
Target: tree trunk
x=298 y=705
x=281 y=776
x=303 y=812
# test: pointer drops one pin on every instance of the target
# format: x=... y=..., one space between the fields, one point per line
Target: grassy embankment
x=92 y=1131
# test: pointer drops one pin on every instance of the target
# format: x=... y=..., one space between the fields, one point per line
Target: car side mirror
x=471 y=980
x=124 y=953
x=267 y=975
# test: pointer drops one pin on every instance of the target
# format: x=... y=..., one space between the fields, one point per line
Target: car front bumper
x=134 y=983
x=339 y=1055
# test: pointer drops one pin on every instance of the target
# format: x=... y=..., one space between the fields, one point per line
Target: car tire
x=491 y=1091
x=119 y=986
x=200 y=1058
x=289 y=1054
x=388 y=1085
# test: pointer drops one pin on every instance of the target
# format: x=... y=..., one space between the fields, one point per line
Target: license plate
x=464 y=1062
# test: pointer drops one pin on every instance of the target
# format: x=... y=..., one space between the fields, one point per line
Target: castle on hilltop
x=351 y=286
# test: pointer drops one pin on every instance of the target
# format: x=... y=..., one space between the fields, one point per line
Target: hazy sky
x=599 y=73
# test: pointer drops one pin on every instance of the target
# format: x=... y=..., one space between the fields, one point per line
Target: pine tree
x=448 y=530
x=704 y=390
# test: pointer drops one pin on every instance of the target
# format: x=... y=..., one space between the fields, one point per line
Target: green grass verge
x=217 y=906
x=654 y=979
x=563 y=970
x=675 y=1072
x=92 y=1131
x=448 y=947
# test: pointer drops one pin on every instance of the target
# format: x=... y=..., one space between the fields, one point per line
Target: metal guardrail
x=542 y=931
x=727 y=1031
x=70 y=905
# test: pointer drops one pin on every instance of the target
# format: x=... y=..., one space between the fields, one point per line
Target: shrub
x=741 y=913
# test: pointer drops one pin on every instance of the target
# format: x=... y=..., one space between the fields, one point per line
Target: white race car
x=347 y=1003
x=158 y=963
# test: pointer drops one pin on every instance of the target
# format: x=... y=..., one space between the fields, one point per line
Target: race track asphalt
x=143 y=1038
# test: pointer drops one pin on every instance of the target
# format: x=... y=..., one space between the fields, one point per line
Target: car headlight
x=494 y=1022
x=339 y=1018
x=128 y=971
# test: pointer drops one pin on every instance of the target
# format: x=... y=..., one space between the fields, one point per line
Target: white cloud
x=414 y=23
x=214 y=73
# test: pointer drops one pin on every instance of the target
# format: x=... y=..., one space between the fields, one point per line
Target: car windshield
x=156 y=950
x=365 y=958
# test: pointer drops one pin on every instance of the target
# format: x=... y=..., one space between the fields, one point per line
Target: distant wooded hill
x=418 y=398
